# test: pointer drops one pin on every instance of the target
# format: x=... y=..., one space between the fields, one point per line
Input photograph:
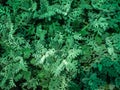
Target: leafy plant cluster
x=60 y=44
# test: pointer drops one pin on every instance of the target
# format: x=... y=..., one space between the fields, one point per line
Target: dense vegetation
x=59 y=44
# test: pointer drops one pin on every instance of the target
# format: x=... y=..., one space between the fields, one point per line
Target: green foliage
x=59 y=44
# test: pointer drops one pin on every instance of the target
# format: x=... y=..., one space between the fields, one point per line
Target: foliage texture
x=59 y=44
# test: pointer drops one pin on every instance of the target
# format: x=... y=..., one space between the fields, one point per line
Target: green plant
x=59 y=44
